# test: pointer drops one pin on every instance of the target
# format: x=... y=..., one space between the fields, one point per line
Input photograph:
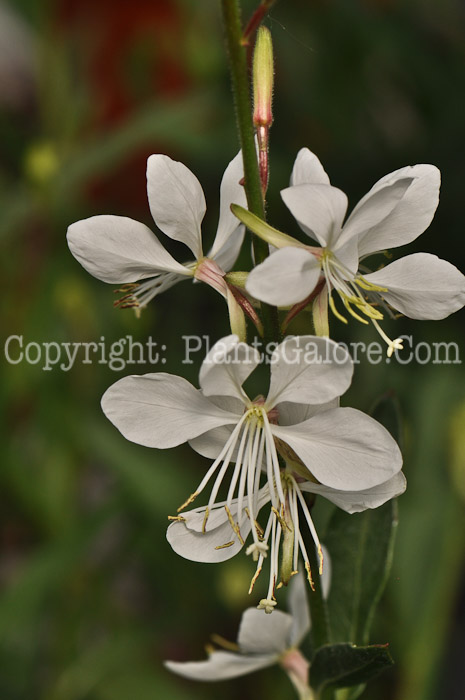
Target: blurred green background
x=93 y=599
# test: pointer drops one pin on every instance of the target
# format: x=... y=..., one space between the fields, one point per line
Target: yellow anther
x=191 y=498
x=223 y=546
x=204 y=524
x=282 y=522
x=309 y=575
x=346 y=303
x=254 y=578
x=320 y=554
x=367 y=285
x=224 y=643
x=234 y=525
x=335 y=311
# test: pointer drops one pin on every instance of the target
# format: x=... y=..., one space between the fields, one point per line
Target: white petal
x=298 y=606
x=189 y=541
x=227 y=255
x=292 y=413
x=346 y=252
x=207 y=548
x=211 y=443
x=176 y=201
x=357 y=501
x=308 y=170
x=161 y=410
x=422 y=286
x=260 y=633
x=344 y=449
x=117 y=250
x=221 y=665
x=310 y=370
x=397 y=209
x=226 y=367
x=318 y=209
x=286 y=277
x=231 y=192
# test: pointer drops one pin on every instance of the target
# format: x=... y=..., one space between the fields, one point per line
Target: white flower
x=119 y=250
x=397 y=210
x=262 y=641
x=327 y=447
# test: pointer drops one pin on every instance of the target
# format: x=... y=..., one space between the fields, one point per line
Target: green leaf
x=361 y=549
x=345 y=665
x=360 y=546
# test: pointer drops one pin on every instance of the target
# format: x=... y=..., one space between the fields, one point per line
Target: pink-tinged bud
x=263 y=79
x=262 y=98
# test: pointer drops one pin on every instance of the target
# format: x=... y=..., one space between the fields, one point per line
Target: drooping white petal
x=231 y=192
x=308 y=170
x=204 y=541
x=176 y=201
x=422 y=286
x=318 y=209
x=207 y=548
x=118 y=250
x=286 y=277
x=264 y=634
x=298 y=606
x=221 y=665
x=309 y=369
x=397 y=209
x=161 y=410
x=226 y=367
x=357 y=501
x=344 y=448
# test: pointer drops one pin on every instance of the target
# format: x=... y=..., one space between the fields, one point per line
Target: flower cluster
x=267 y=453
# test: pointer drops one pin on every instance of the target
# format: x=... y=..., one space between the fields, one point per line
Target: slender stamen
x=309 y=520
x=251 y=477
x=231 y=441
x=348 y=286
x=237 y=470
x=295 y=519
x=274 y=457
x=306 y=562
x=139 y=294
x=396 y=344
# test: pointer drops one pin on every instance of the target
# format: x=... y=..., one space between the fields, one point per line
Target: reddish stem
x=255 y=21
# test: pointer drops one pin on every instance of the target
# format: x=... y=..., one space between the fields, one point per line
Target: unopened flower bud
x=262 y=97
x=263 y=78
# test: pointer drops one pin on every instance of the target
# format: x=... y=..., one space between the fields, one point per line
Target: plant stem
x=243 y=106
x=256 y=19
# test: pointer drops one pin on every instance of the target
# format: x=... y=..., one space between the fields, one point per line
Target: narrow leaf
x=345 y=665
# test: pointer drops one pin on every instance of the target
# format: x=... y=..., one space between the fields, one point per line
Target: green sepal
x=271 y=235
